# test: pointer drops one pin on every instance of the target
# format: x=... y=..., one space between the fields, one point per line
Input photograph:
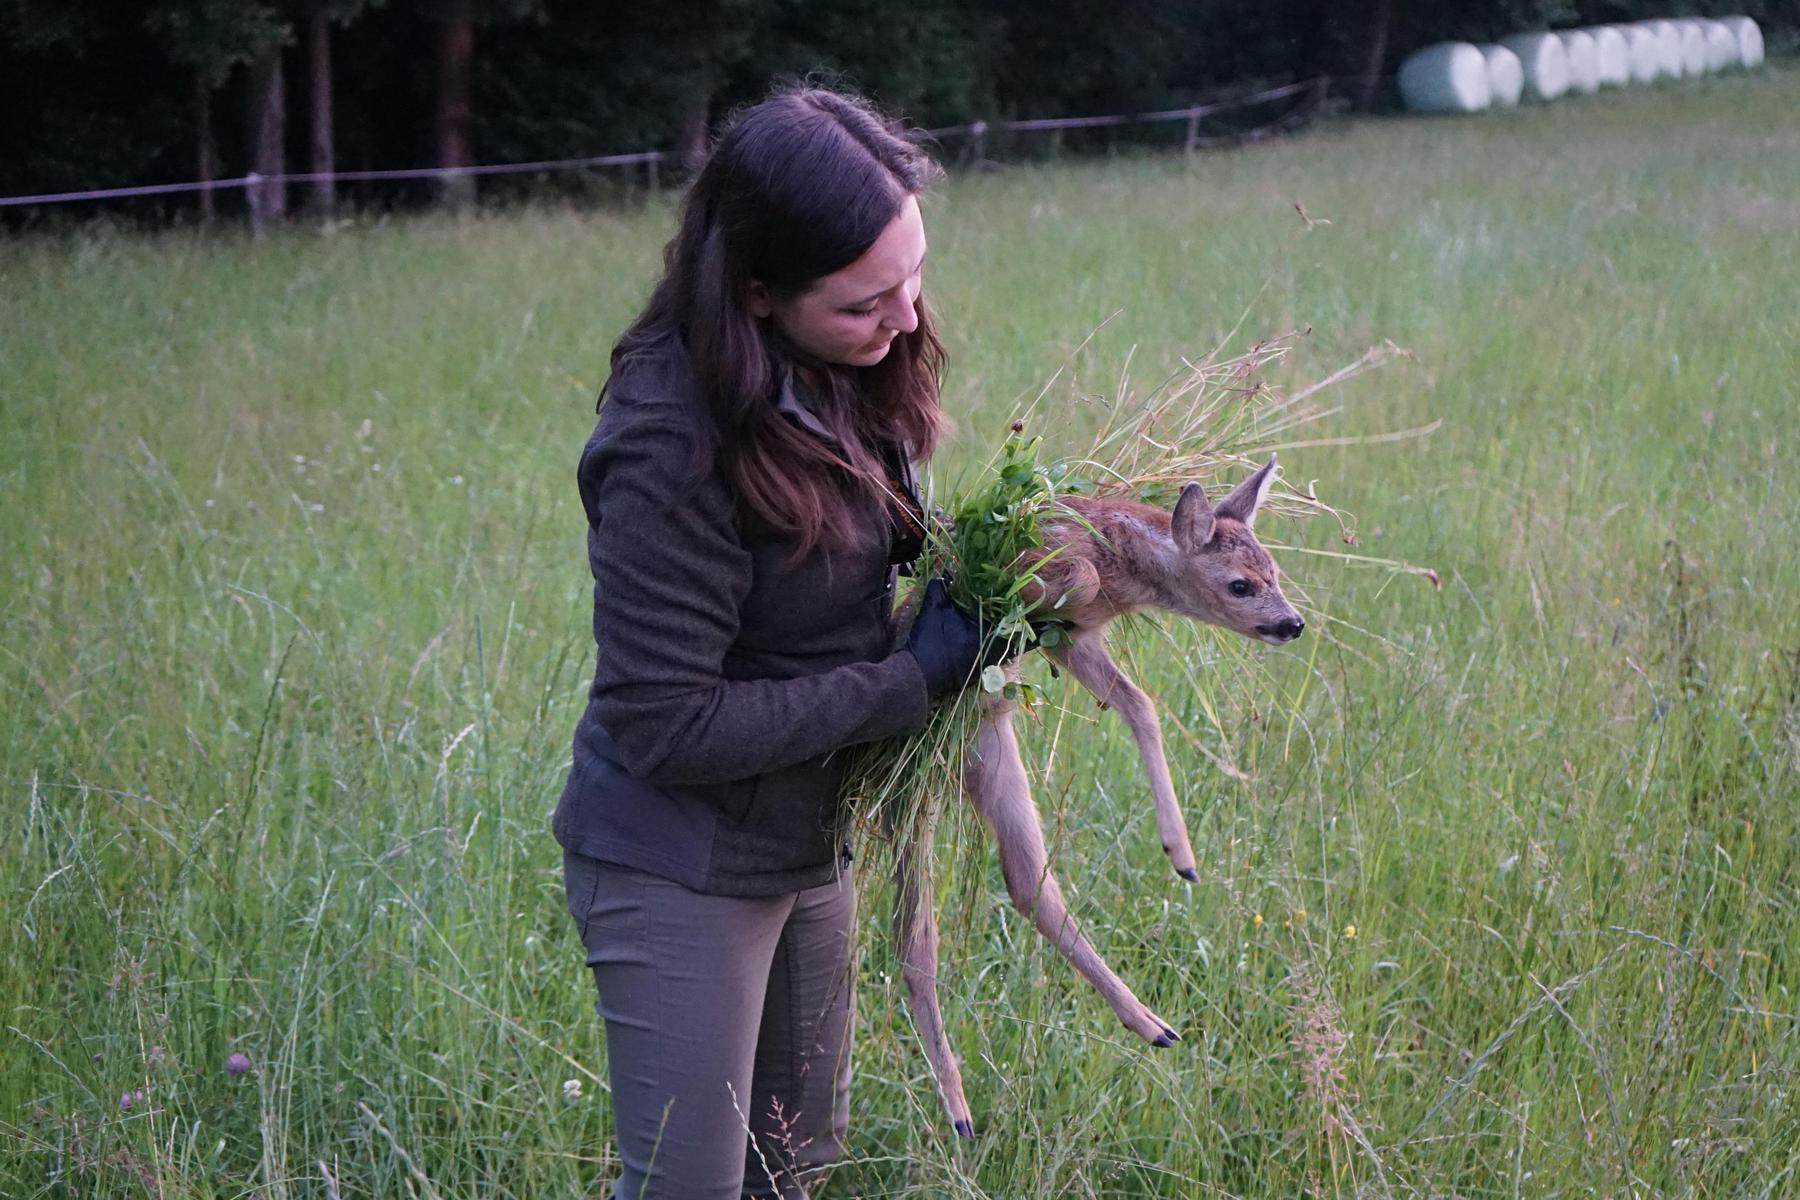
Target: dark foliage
x=102 y=93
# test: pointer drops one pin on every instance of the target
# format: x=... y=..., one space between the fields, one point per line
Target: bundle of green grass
x=1204 y=423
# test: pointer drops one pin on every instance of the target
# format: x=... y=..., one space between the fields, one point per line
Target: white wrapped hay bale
x=1721 y=45
x=1642 y=53
x=1694 y=57
x=1450 y=77
x=1668 y=47
x=1584 y=61
x=1544 y=61
x=1613 y=59
x=1506 y=78
x=1749 y=40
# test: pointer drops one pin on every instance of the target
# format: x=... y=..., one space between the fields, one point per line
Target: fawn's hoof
x=1188 y=873
x=963 y=1128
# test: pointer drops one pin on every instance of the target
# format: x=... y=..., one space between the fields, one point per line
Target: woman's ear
x=760 y=305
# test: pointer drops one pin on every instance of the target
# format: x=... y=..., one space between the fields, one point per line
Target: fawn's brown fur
x=1200 y=561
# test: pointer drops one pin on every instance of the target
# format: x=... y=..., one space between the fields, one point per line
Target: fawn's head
x=1226 y=577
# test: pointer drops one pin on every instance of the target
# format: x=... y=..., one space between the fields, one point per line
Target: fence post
x=253 y=193
x=653 y=172
x=1193 y=130
x=977 y=144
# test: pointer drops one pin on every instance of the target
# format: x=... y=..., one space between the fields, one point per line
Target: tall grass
x=293 y=633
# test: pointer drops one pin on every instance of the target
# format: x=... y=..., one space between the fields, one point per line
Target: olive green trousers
x=728 y=1025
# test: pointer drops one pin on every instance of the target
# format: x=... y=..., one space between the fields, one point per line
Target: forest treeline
x=103 y=93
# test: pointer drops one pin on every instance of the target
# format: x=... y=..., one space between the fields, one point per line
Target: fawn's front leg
x=915 y=935
x=1086 y=658
x=994 y=777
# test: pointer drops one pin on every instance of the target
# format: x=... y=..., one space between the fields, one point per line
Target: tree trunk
x=206 y=156
x=456 y=56
x=1381 y=19
x=690 y=150
x=324 y=159
x=268 y=131
x=1323 y=46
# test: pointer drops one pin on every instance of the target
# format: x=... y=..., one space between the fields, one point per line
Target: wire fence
x=971 y=141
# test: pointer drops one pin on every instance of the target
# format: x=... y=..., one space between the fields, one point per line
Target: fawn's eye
x=1241 y=587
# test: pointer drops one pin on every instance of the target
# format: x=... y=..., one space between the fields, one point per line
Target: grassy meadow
x=294 y=630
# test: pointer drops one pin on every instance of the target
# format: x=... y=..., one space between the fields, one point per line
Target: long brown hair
x=799 y=186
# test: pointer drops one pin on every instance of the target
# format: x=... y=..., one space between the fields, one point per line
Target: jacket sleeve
x=670 y=574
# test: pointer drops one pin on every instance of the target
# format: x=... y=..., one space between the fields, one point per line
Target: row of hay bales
x=1459 y=77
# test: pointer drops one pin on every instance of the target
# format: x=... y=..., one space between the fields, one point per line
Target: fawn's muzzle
x=1282 y=631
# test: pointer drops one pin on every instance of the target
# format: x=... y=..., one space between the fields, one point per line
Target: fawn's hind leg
x=994 y=777
x=915 y=935
x=1086 y=658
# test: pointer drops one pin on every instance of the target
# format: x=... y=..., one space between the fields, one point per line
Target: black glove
x=946 y=641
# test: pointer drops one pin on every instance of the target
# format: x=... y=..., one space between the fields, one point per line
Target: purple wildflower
x=237 y=1064
x=129 y=1100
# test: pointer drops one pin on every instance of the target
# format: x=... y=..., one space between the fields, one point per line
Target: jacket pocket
x=794 y=802
x=735 y=799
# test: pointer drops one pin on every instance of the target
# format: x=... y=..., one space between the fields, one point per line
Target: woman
x=749 y=496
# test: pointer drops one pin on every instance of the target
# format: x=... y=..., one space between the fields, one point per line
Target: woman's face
x=852 y=315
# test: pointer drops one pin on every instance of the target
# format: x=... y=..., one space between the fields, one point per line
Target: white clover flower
x=571 y=1091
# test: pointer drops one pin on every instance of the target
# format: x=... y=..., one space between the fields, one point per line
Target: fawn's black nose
x=1285 y=631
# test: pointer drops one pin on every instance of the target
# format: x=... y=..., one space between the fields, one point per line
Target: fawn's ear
x=1247 y=496
x=1192 y=524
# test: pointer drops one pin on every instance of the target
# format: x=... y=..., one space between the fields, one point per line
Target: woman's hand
x=947 y=643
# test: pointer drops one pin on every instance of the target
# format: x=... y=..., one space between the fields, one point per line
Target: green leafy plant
x=980 y=545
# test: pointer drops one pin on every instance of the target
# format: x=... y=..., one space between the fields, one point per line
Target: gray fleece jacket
x=724 y=679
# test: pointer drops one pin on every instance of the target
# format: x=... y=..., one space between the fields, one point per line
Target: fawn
x=1116 y=556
